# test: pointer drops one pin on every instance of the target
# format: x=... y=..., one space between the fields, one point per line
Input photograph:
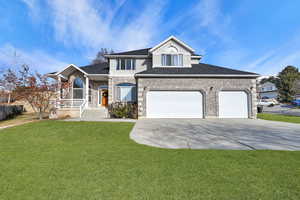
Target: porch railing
x=81 y=104
x=82 y=107
x=68 y=103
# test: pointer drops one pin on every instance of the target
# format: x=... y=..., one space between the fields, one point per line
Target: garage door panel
x=233 y=104
x=174 y=104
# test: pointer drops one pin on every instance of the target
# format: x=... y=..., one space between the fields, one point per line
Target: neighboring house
x=267 y=90
x=166 y=81
x=297 y=86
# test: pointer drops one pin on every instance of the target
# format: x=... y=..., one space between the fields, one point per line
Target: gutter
x=198 y=75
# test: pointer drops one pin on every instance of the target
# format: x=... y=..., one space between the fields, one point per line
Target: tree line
x=287 y=83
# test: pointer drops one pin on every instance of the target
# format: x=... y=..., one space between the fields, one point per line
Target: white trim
x=97 y=74
x=87 y=90
x=126 y=56
x=196 y=56
x=71 y=65
x=100 y=93
x=172 y=38
x=194 y=75
x=130 y=92
x=122 y=75
x=62 y=76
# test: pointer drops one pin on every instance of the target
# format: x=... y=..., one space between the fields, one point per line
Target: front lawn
x=281 y=118
x=97 y=160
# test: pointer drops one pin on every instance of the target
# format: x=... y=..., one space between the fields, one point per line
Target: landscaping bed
x=97 y=160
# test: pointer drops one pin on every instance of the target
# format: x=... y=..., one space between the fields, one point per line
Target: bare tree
x=100 y=55
x=8 y=83
x=34 y=88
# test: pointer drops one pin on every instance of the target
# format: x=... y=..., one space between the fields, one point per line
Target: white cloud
x=30 y=3
x=34 y=7
x=207 y=13
x=277 y=62
x=87 y=24
x=12 y=57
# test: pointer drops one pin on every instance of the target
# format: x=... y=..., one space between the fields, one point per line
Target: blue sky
x=253 y=35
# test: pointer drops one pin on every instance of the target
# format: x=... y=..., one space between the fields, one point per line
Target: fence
x=10 y=111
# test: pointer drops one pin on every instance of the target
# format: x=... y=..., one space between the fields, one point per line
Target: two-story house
x=166 y=81
x=268 y=90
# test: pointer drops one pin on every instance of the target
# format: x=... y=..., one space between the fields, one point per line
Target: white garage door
x=233 y=104
x=174 y=104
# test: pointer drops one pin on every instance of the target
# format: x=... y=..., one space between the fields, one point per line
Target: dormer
x=173 y=53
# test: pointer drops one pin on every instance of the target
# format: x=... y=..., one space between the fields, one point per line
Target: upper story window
x=172 y=60
x=125 y=64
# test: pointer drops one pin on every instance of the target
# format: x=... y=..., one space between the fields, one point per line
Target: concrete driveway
x=244 y=134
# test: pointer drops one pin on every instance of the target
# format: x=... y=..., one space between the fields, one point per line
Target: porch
x=79 y=91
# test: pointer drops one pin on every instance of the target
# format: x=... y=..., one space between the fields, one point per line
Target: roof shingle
x=100 y=68
x=197 y=69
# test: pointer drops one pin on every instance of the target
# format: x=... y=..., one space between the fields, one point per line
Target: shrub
x=10 y=111
x=123 y=110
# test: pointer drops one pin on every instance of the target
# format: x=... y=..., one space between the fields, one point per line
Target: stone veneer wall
x=94 y=85
x=112 y=85
x=210 y=87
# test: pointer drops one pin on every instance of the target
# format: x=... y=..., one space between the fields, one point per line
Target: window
x=125 y=64
x=126 y=92
x=78 y=88
x=172 y=60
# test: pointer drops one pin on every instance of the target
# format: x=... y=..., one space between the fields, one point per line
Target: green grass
x=97 y=160
x=281 y=118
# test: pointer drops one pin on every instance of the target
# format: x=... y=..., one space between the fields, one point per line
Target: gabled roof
x=69 y=66
x=139 y=52
x=100 y=68
x=175 y=39
x=134 y=52
x=201 y=69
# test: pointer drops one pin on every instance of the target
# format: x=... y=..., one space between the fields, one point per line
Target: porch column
x=59 y=87
x=87 y=90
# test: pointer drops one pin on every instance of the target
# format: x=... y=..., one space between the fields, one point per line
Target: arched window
x=126 y=92
x=78 y=88
x=172 y=57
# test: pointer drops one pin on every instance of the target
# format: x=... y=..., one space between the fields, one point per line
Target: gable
x=172 y=41
x=171 y=46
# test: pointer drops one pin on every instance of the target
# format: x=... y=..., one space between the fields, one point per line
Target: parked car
x=296 y=102
x=267 y=102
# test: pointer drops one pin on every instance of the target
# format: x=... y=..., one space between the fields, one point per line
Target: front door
x=104 y=97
